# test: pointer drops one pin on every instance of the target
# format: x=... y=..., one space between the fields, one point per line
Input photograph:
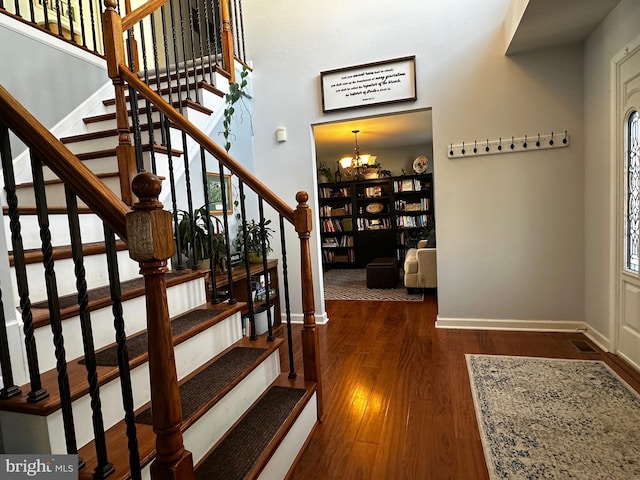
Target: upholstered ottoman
x=382 y=273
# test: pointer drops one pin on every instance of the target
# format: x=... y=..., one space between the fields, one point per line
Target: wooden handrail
x=209 y=145
x=64 y=164
x=139 y=13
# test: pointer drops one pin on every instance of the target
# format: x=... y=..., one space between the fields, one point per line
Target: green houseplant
x=254 y=240
x=198 y=240
x=324 y=173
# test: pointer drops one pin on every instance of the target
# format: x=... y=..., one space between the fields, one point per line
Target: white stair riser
x=210 y=428
x=190 y=355
x=181 y=298
x=111 y=124
x=103 y=165
x=106 y=143
x=56 y=195
x=96 y=275
x=282 y=460
x=92 y=230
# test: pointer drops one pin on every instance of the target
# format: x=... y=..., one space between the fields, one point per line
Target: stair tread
x=143 y=111
x=191 y=71
x=111 y=152
x=247 y=446
x=77 y=372
x=57 y=181
x=116 y=436
x=100 y=297
x=64 y=251
x=174 y=89
x=104 y=133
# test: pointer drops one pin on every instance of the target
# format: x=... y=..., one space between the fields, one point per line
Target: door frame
x=617 y=150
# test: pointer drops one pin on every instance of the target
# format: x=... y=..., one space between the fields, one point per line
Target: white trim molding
x=508 y=324
x=298 y=318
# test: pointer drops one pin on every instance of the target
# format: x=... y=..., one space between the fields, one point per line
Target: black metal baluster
x=122 y=353
x=31 y=11
x=70 y=16
x=217 y=20
x=55 y=319
x=243 y=56
x=247 y=265
x=187 y=181
x=45 y=11
x=193 y=53
x=147 y=104
x=9 y=389
x=133 y=101
x=83 y=32
x=208 y=39
x=16 y=5
x=156 y=66
x=267 y=283
x=104 y=467
x=210 y=232
x=36 y=393
x=287 y=304
x=184 y=60
x=200 y=30
x=93 y=24
x=59 y=18
x=225 y=223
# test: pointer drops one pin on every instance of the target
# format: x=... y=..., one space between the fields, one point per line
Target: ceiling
x=403 y=129
x=552 y=23
x=544 y=24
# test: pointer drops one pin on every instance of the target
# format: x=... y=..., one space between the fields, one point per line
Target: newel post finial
x=150 y=240
x=310 y=343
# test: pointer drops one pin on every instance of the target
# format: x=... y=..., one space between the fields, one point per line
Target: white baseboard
x=298 y=318
x=507 y=324
x=599 y=339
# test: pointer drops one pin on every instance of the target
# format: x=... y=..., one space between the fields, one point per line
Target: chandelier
x=358 y=164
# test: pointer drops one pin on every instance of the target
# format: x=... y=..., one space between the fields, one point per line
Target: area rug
x=351 y=284
x=542 y=418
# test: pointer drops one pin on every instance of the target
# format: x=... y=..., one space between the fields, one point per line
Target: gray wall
x=620 y=27
x=48 y=77
x=510 y=226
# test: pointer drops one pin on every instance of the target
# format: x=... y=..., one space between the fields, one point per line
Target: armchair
x=420 y=267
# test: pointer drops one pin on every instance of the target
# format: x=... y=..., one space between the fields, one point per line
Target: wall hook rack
x=517 y=144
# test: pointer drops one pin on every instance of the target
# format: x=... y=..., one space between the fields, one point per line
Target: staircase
x=241 y=416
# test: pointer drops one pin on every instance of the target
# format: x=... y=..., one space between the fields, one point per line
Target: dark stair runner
x=202 y=387
x=241 y=448
x=137 y=344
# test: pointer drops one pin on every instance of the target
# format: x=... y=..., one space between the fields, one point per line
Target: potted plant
x=254 y=240
x=198 y=240
x=324 y=173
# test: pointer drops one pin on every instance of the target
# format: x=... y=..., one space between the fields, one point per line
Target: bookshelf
x=364 y=219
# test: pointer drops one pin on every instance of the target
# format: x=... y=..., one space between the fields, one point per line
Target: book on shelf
x=413 y=205
x=410 y=221
x=373 y=192
x=374 y=223
x=334 y=192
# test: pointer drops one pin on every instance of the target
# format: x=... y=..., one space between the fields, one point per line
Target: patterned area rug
x=351 y=284
x=542 y=418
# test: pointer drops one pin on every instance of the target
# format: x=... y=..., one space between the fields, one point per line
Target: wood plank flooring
x=397 y=398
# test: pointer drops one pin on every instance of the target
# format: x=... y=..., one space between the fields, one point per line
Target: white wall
x=619 y=28
x=510 y=227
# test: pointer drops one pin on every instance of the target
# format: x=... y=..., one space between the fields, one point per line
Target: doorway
x=402 y=144
x=627 y=234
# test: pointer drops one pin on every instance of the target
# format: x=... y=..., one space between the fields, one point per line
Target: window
x=632 y=199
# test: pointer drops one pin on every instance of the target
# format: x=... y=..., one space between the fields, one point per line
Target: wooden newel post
x=115 y=56
x=151 y=244
x=310 y=344
x=227 y=40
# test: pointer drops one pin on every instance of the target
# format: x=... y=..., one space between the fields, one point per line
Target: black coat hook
x=475 y=146
x=524 y=144
x=500 y=144
x=551 y=141
x=538 y=142
x=512 y=144
x=486 y=149
x=451 y=149
x=565 y=139
x=463 y=150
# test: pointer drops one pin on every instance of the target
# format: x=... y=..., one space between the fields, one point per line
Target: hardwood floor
x=396 y=391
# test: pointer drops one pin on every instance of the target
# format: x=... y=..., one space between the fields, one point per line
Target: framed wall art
x=214 y=189
x=369 y=84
